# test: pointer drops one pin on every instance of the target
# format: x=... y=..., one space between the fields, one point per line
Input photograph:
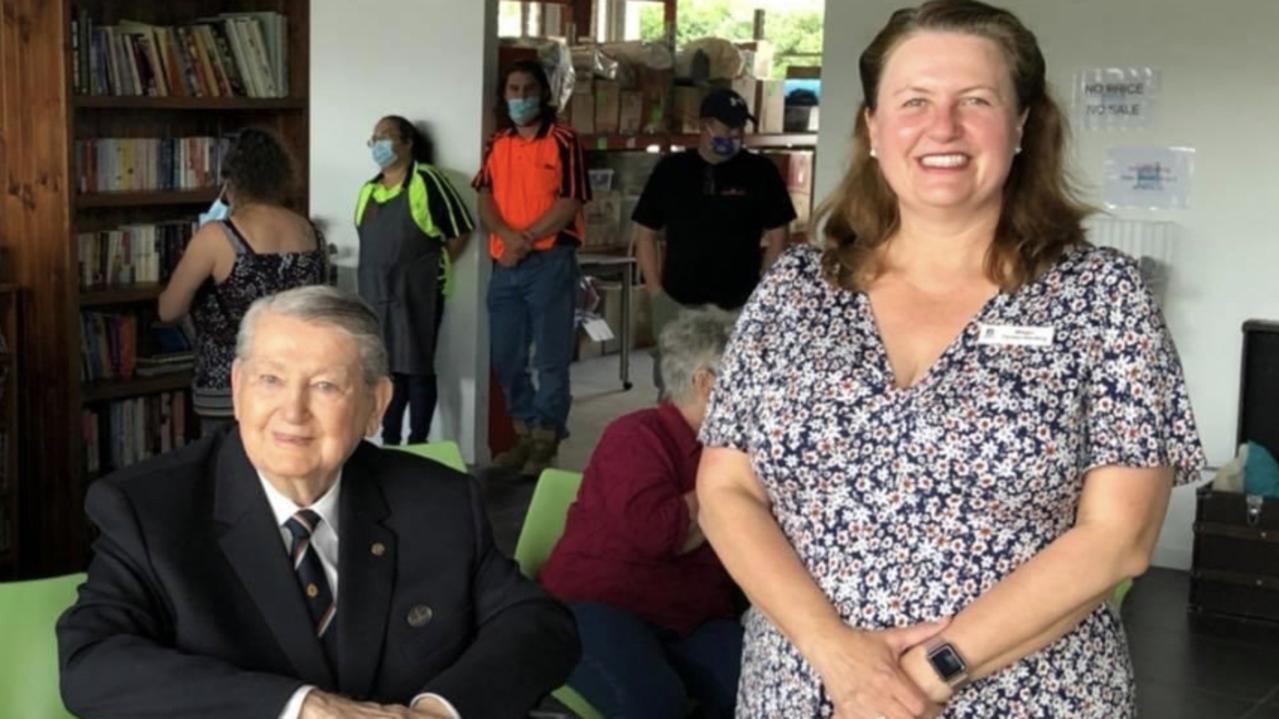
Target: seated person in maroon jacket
x=654 y=606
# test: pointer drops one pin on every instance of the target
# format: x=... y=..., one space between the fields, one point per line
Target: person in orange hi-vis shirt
x=532 y=186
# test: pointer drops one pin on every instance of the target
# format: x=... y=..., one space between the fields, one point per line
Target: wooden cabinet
x=45 y=117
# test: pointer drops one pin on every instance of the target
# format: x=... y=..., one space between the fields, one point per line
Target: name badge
x=1014 y=335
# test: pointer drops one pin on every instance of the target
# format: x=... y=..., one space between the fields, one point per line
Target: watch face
x=947 y=662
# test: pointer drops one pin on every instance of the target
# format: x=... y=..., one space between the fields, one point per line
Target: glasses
x=378 y=138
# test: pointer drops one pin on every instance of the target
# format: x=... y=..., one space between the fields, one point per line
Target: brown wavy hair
x=1041 y=215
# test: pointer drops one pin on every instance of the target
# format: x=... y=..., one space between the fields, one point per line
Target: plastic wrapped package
x=724 y=58
x=591 y=61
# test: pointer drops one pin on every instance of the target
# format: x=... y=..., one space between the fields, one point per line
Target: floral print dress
x=906 y=504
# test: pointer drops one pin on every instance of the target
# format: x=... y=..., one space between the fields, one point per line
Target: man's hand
x=515 y=245
x=322 y=705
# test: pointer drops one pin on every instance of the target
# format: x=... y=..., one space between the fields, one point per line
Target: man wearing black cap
x=725 y=213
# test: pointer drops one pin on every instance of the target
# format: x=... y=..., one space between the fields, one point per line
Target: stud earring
x=1017 y=151
x=873 y=153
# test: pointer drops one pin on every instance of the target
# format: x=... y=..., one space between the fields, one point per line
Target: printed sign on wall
x=1116 y=98
x=1153 y=178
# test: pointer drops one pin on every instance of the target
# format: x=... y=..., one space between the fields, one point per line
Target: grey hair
x=325 y=305
x=693 y=341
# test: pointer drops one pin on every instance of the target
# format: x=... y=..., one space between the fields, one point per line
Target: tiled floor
x=1187 y=667
x=1196 y=668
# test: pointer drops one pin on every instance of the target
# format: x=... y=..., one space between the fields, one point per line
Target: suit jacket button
x=378 y=549
x=419 y=615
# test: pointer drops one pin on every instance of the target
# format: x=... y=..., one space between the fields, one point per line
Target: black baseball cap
x=726 y=106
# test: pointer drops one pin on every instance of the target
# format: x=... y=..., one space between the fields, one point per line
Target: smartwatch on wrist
x=946 y=661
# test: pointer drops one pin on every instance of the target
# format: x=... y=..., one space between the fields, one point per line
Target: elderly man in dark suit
x=285 y=568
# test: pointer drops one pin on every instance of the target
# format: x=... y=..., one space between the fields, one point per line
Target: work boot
x=544 y=443
x=514 y=458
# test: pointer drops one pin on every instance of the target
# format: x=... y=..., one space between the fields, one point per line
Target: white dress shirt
x=324 y=540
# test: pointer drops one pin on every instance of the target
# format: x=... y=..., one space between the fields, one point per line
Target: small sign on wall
x=1152 y=178
x=1109 y=98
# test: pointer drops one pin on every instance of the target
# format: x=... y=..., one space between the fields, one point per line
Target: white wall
x=1220 y=95
x=431 y=61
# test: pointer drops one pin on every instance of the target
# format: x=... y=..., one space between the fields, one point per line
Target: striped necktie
x=309 y=570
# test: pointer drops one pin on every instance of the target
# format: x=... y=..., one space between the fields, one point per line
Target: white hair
x=693 y=341
x=324 y=305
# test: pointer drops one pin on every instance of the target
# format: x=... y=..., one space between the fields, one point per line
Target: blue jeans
x=631 y=669
x=532 y=303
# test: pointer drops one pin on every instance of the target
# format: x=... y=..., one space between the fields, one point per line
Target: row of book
x=229 y=55
x=110 y=350
x=108 y=345
x=131 y=254
x=122 y=164
x=121 y=433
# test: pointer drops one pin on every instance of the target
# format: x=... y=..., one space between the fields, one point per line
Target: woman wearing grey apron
x=412 y=224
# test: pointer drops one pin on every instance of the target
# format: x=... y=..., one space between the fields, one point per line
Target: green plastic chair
x=1121 y=591
x=29 y=657
x=543 y=524
x=445 y=452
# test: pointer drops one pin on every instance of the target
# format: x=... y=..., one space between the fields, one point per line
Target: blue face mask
x=219 y=210
x=383 y=154
x=726 y=147
x=524 y=109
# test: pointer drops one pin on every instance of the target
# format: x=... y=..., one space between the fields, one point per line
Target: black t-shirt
x=714 y=216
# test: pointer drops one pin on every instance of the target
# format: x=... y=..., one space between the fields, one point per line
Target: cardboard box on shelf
x=631 y=116
x=608 y=106
x=759 y=57
x=796 y=168
x=770 y=105
x=654 y=86
x=583 y=112
x=799 y=171
x=688 y=108
x=603 y=220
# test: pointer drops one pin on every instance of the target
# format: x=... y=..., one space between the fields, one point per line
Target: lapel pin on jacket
x=419 y=615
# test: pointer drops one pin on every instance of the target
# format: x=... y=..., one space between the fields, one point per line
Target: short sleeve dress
x=906 y=504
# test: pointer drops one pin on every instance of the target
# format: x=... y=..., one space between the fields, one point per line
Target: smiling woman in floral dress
x=940 y=441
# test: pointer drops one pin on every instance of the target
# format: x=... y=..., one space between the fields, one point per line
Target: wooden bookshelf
x=124 y=294
x=10 y=447
x=109 y=102
x=38 y=230
x=105 y=390
x=152 y=198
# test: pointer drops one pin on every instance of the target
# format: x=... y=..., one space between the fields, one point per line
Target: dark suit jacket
x=191 y=608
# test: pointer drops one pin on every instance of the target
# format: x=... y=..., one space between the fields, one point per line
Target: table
x=623 y=266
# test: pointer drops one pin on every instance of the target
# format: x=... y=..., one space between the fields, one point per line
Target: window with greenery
x=793 y=26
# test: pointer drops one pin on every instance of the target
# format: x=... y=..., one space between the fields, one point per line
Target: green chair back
x=445 y=452
x=29 y=650
x=1120 y=592
x=544 y=523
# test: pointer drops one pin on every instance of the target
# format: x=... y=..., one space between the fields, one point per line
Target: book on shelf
x=243 y=54
x=109 y=345
x=146 y=164
x=120 y=433
x=111 y=349
x=131 y=254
